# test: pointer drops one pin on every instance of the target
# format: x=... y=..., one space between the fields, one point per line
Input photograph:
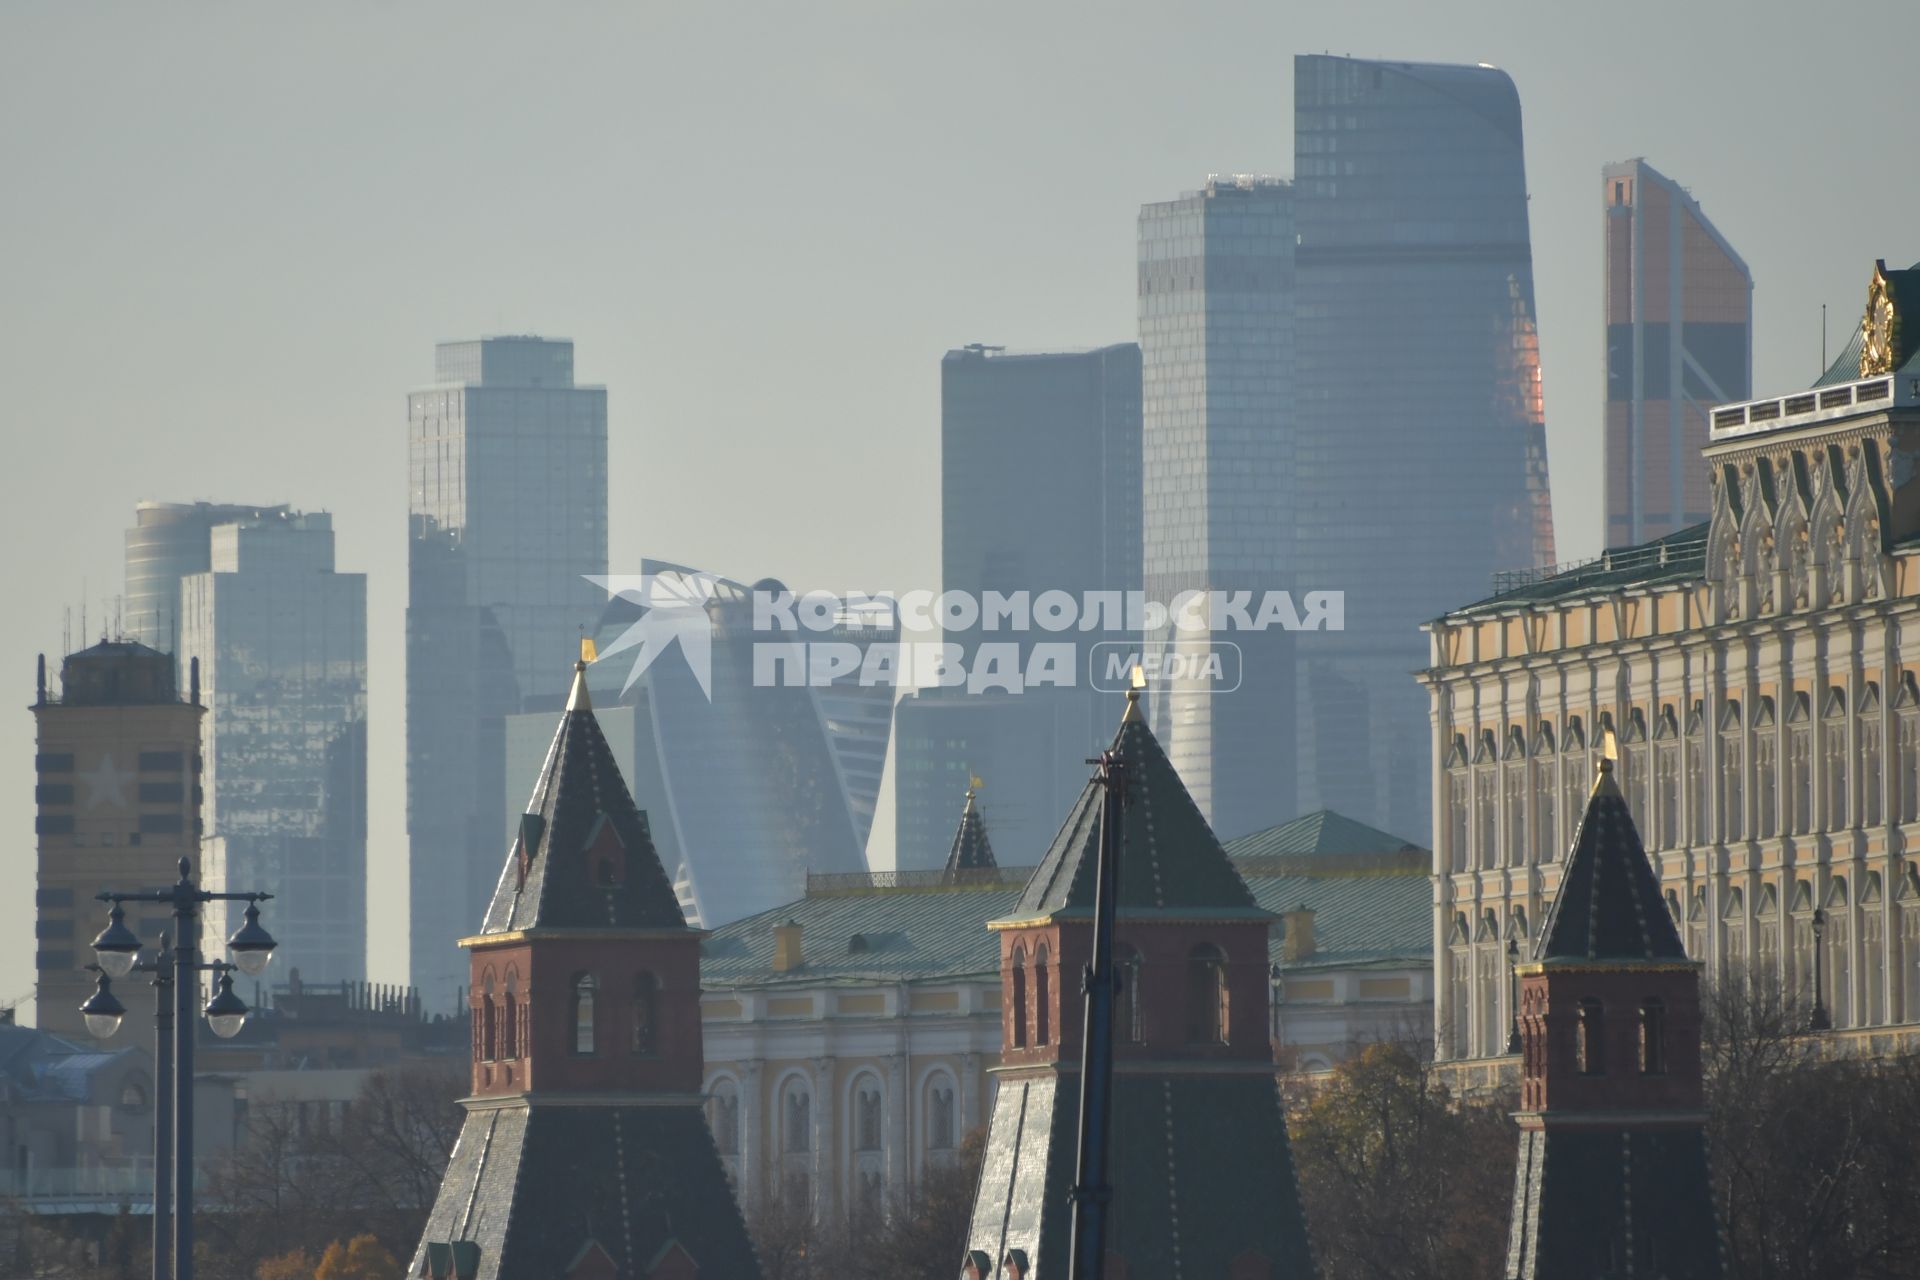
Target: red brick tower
x=1202 y=1175
x=585 y=1153
x=1612 y=1178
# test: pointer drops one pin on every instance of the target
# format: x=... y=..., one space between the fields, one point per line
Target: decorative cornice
x=1137 y=915
x=1536 y=968
x=527 y=1101
x=580 y=935
x=1556 y=1118
x=1144 y=1067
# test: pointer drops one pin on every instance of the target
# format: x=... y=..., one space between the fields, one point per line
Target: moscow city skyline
x=230 y=287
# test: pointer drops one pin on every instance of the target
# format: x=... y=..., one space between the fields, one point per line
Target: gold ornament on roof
x=1880 y=327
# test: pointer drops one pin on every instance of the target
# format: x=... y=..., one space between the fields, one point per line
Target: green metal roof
x=1322 y=831
x=904 y=935
x=1170 y=862
x=1358 y=919
x=1609 y=905
x=1679 y=557
x=1368 y=889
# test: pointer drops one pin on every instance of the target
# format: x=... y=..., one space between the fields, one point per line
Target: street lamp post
x=117 y=950
x=1819 y=1020
x=102 y=1021
x=1276 y=995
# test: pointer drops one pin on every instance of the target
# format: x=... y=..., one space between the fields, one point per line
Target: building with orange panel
x=1679 y=340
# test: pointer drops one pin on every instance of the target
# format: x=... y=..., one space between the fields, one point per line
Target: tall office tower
x=1419 y=462
x=743 y=783
x=1039 y=481
x=1679 y=340
x=1040 y=492
x=507 y=512
x=117 y=754
x=168 y=541
x=1217 y=325
x=281 y=639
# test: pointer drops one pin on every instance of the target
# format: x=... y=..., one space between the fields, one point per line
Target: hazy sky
x=230 y=235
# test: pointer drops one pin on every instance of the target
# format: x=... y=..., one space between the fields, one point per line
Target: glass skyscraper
x=281 y=639
x=1679 y=308
x=1217 y=322
x=1039 y=492
x=1418 y=462
x=507 y=463
x=168 y=541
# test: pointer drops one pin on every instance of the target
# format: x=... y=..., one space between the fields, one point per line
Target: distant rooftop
x=508 y=360
x=989 y=351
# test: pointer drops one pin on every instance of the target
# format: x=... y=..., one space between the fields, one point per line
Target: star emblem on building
x=106 y=783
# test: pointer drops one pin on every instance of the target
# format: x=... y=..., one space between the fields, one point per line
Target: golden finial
x=1134 y=686
x=578 y=699
x=1609 y=752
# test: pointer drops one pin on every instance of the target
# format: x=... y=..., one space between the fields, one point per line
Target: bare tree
x=1812 y=1160
x=295 y=1183
x=1401 y=1181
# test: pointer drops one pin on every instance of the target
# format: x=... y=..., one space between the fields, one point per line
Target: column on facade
x=752 y=1126
x=900 y=1172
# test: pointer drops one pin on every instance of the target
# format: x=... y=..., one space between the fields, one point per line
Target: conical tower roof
x=1170 y=861
x=971 y=851
x=1609 y=905
x=584 y=858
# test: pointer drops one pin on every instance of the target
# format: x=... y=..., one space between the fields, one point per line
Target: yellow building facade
x=117 y=805
x=1761 y=676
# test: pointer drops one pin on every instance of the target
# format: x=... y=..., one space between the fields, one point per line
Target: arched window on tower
x=1206 y=995
x=1590 y=1038
x=510 y=1046
x=583 y=992
x=646 y=1001
x=489 y=1028
x=1018 y=1013
x=1126 y=1000
x=1653 y=1037
x=1042 y=988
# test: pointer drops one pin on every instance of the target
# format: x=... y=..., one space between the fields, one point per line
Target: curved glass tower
x=1418 y=463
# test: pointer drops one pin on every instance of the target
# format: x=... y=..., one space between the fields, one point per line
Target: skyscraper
x=1039 y=478
x=1040 y=492
x=1418 y=465
x=117 y=790
x=1216 y=284
x=168 y=541
x=507 y=511
x=281 y=639
x=1679 y=340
